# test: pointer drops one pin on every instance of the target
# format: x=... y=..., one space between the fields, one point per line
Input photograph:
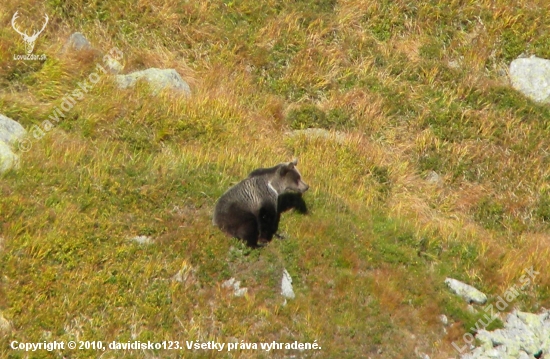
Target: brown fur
x=249 y=210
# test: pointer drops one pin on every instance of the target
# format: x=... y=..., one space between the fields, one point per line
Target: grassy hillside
x=415 y=87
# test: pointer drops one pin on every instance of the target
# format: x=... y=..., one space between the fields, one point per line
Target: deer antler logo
x=29 y=40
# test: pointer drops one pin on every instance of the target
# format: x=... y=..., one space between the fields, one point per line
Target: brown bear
x=249 y=210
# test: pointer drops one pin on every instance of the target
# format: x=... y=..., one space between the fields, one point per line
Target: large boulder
x=10 y=130
x=531 y=76
x=8 y=159
x=525 y=335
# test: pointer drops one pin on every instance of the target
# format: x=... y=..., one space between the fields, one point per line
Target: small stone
x=159 y=79
x=443 y=319
x=236 y=286
x=471 y=294
x=531 y=76
x=77 y=42
x=240 y=292
x=286 y=286
x=434 y=178
x=228 y=283
x=143 y=239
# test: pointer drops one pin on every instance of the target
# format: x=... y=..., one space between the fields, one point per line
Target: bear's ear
x=285 y=168
x=294 y=162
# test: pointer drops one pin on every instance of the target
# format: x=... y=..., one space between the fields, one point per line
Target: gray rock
x=434 y=178
x=336 y=136
x=10 y=130
x=159 y=79
x=112 y=65
x=143 y=239
x=286 y=286
x=236 y=286
x=239 y=292
x=230 y=283
x=476 y=353
x=494 y=353
x=419 y=354
x=531 y=76
x=471 y=294
x=534 y=321
x=524 y=335
x=77 y=42
x=8 y=159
